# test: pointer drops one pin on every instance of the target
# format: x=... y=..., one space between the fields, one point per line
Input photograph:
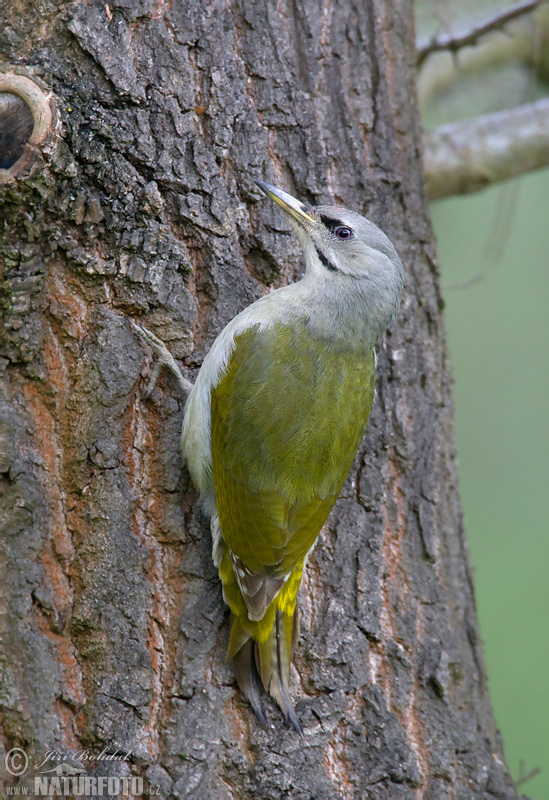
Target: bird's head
x=340 y=243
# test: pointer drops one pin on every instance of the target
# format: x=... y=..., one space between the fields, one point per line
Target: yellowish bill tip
x=286 y=202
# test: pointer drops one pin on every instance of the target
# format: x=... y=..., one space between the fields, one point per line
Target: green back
x=287 y=419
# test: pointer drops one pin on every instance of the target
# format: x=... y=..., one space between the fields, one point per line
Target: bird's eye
x=343 y=232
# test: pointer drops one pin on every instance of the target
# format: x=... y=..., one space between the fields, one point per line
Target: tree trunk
x=141 y=204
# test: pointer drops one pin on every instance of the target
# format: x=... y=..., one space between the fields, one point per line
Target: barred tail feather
x=272 y=661
x=246 y=676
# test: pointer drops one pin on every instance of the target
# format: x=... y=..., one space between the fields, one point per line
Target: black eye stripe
x=334 y=224
x=330 y=223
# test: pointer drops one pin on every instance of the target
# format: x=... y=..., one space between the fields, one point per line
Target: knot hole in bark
x=16 y=125
x=25 y=121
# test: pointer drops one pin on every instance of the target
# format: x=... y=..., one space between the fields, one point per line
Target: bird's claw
x=164 y=359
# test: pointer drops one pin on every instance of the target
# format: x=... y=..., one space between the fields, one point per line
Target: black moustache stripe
x=325 y=261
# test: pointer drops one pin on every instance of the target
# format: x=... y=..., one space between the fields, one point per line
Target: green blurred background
x=498 y=333
x=493 y=250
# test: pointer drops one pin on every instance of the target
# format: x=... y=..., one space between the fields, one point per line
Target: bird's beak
x=290 y=205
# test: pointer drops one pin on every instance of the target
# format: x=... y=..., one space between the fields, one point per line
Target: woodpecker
x=273 y=423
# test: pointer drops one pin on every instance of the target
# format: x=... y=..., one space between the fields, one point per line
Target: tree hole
x=16 y=126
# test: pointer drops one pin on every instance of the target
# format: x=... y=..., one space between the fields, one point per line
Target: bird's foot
x=164 y=359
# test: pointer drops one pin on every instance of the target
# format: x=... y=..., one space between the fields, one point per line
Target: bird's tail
x=261 y=650
x=268 y=660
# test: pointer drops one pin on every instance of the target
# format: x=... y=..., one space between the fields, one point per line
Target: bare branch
x=470 y=37
x=440 y=72
x=461 y=285
x=467 y=156
x=525 y=777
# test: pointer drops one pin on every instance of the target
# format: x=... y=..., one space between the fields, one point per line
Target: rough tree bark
x=143 y=205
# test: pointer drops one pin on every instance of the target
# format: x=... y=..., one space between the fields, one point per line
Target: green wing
x=287 y=419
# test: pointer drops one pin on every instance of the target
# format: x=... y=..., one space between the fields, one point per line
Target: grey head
x=348 y=253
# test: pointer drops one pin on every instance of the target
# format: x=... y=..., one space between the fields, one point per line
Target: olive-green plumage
x=273 y=423
x=287 y=418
